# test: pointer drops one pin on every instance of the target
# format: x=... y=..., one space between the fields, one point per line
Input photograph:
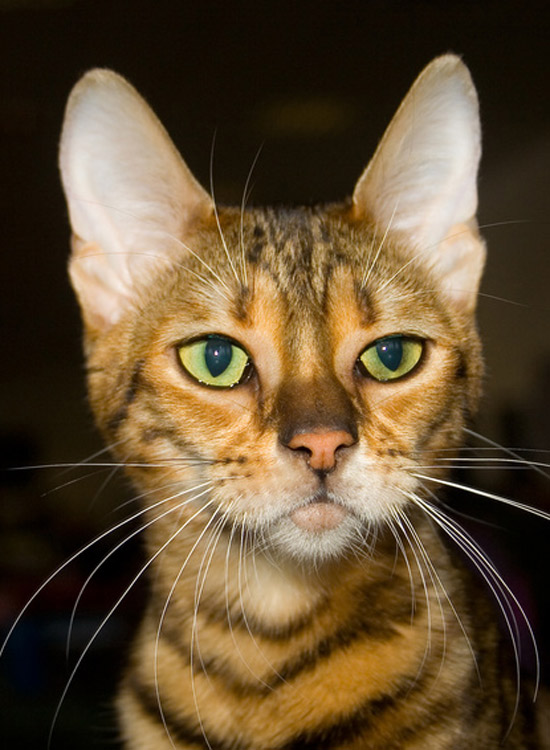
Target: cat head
x=289 y=371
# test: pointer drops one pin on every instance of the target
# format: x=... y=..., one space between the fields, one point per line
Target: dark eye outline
x=245 y=376
x=366 y=373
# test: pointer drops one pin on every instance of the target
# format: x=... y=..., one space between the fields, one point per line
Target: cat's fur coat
x=301 y=596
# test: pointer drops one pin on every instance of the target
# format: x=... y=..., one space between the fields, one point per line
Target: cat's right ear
x=131 y=197
x=421 y=183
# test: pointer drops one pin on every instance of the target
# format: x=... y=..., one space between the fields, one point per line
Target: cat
x=287 y=388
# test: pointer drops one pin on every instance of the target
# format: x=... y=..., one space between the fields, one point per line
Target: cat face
x=287 y=370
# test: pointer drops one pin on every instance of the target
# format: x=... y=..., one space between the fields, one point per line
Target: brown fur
x=260 y=635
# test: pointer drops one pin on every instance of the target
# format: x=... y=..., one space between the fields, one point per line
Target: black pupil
x=390 y=353
x=217 y=356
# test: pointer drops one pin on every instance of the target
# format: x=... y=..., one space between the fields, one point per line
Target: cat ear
x=131 y=198
x=421 y=181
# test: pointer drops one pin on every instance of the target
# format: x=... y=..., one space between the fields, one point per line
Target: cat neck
x=272 y=595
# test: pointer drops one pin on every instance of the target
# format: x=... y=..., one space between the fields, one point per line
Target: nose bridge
x=318 y=404
x=313 y=411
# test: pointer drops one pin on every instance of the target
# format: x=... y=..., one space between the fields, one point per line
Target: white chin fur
x=306 y=545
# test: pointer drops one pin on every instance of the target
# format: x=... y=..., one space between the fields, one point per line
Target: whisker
x=246 y=193
x=242 y=547
x=111 y=612
x=172 y=262
x=497 y=586
x=419 y=255
x=76 y=480
x=141 y=496
x=226 y=583
x=216 y=213
x=509 y=451
x=483 y=493
x=442 y=587
x=499 y=580
x=401 y=547
x=406 y=530
x=506 y=223
x=367 y=275
x=110 y=474
x=68 y=562
x=206 y=265
x=475 y=460
x=415 y=258
x=130 y=536
x=158 y=256
x=199 y=588
x=385 y=284
x=162 y=620
x=192 y=643
x=486 y=449
x=210 y=550
x=118 y=464
x=89 y=460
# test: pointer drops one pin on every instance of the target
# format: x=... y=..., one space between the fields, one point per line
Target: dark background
x=315 y=83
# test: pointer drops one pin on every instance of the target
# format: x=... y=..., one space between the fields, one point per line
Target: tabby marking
x=282 y=385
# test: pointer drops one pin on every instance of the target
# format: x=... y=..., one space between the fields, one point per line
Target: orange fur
x=262 y=633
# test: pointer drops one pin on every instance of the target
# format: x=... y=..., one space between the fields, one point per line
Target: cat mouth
x=319 y=514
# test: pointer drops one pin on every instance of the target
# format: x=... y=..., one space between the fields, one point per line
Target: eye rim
x=247 y=371
x=361 y=368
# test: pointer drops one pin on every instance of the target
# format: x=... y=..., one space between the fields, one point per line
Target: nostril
x=321 y=447
x=307 y=452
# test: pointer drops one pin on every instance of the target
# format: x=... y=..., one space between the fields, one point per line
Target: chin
x=310 y=545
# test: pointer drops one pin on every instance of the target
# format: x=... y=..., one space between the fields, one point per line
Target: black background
x=256 y=74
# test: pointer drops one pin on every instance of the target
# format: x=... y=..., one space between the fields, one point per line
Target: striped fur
x=262 y=632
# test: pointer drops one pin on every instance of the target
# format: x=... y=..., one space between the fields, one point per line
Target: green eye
x=215 y=361
x=391 y=358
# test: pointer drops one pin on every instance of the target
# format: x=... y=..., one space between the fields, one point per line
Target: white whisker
x=159 y=257
x=113 y=609
x=367 y=274
x=133 y=534
x=68 y=562
x=208 y=267
x=246 y=193
x=163 y=617
x=497 y=462
x=257 y=646
x=509 y=451
x=119 y=464
x=217 y=216
x=483 y=493
x=401 y=548
x=407 y=530
x=502 y=593
x=440 y=584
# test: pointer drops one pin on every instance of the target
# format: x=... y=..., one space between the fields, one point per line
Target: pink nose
x=321 y=446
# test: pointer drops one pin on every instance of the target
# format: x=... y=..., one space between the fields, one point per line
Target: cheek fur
x=299 y=594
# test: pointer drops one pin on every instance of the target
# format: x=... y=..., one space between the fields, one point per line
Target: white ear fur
x=130 y=195
x=422 y=180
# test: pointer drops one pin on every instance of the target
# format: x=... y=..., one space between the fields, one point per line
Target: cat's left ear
x=421 y=183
